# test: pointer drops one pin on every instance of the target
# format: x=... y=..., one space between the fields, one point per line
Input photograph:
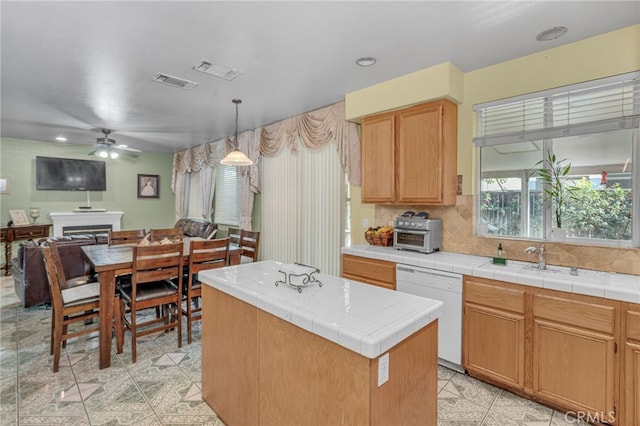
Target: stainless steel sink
x=527 y=268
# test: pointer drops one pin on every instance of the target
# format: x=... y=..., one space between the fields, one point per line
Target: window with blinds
x=598 y=106
x=593 y=126
x=225 y=198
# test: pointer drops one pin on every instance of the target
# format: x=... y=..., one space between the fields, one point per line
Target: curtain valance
x=315 y=130
x=193 y=159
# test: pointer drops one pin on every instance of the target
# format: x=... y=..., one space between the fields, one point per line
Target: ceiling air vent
x=219 y=71
x=175 y=81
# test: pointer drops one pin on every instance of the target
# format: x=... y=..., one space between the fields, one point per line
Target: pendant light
x=236 y=157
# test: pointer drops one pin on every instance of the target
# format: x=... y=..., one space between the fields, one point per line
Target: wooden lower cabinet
x=494 y=333
x=574 y=353
x=370 y=271
x=258 y=369
x=631 y=367
x=560 y=349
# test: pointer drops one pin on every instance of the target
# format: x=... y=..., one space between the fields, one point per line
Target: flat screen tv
x=68 y=174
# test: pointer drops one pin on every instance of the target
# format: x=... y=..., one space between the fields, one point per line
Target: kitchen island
x=340 y=353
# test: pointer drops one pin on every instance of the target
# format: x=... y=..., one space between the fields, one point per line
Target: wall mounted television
x=68 y=174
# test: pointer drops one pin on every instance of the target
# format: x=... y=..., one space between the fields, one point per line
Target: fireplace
x=67 y=223
x=86 y=229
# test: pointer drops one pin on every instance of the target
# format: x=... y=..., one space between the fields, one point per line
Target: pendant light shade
x=236 y=157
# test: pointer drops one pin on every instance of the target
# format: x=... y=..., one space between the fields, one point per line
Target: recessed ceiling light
x=551 y=33
x=61 y=139
x=366 y=61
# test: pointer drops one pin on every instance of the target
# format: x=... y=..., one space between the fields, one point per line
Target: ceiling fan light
x=102 y=153
x=236 y=158
x=113 y=155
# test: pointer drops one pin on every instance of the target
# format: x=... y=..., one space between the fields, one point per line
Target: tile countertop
x=366 y=319
x=593 y=283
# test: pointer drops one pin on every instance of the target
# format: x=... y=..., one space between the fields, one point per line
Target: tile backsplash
x=458 y=236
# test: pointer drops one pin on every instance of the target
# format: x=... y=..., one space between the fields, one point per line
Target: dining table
x=112 y=261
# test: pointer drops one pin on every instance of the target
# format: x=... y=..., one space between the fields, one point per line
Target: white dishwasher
x=446 y=287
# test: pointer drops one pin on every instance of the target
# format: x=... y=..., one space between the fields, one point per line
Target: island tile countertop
x=609 y=285
x=366 y=319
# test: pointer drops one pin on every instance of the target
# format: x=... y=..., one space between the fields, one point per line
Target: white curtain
x=302 y=208
x=249 y=182
x=180 y=187
x=207 y=188
x=303 y=191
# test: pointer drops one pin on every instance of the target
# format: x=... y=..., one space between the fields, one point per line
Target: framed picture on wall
x=148 y=186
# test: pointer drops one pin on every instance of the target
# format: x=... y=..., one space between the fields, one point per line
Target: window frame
x=547 y=133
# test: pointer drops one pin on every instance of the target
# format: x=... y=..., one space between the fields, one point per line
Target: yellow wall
x=438 y=82
x=608 y=54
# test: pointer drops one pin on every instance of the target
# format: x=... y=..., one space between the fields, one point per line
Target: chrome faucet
x=542 y=263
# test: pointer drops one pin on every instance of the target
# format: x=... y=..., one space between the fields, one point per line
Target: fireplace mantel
x=87 y=218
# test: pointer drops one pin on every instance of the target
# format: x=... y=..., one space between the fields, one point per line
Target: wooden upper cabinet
x=378 y=158
x=409 y=156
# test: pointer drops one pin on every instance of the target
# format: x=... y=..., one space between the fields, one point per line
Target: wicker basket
x=385 y=239
x=369 y=238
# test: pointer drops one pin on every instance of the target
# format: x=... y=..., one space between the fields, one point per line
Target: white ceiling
x=71 y=67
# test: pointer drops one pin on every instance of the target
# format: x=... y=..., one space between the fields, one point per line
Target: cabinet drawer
x=575 y=312
x=633 y=325
x=26 y=233
x=491 y=295
x=379 y=272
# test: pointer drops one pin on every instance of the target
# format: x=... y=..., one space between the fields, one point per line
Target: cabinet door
x=631 y=368
x=493 y=332
x=494 y=345
x=378 y=159
x=426 y=149
x=573 y=355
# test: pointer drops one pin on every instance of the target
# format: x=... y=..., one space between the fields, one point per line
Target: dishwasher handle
x=435 y=272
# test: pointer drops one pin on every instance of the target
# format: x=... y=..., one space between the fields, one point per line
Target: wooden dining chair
x=203 y=254
x=153 y=269
x=72 y=301
x=171 y=234
x=234 y=235
x=129 y=237
x=249 y=242
x=133 y=236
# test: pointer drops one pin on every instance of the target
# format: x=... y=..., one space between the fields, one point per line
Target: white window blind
x=225 y=198
x=603 y=105
x=302 y=208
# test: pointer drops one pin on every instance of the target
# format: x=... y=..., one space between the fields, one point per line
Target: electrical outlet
x=365 y=223
x=383 y=369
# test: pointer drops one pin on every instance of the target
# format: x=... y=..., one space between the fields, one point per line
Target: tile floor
x=163 y=387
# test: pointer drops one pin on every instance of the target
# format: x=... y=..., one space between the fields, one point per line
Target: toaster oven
x=417 y=232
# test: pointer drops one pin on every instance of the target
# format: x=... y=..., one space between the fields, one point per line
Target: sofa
x=27 y=268
x=197 y=228
x=30 y=277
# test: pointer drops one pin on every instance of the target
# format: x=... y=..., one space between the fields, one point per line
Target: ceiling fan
x=107 y=148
